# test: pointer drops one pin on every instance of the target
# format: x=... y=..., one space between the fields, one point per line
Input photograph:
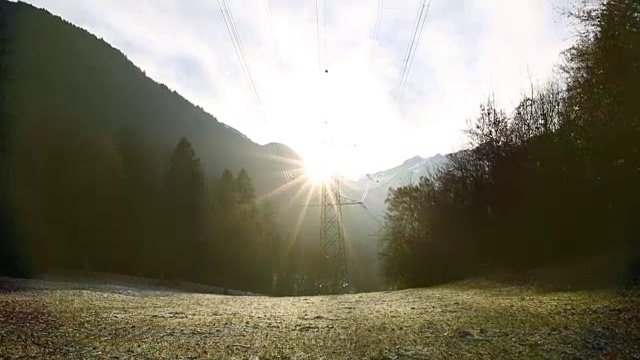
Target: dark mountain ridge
x=65 y=76
x=67 y=91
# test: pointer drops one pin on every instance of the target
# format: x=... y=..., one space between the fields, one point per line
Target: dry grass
x=450 y=322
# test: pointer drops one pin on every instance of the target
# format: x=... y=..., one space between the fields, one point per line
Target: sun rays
x=303 y=190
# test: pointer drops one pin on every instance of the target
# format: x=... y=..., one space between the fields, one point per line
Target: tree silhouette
x=184 y=200
x=551 y=183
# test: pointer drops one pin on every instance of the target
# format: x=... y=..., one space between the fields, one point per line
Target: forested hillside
x=551 y=183
x=64 y=77
x=105 y=169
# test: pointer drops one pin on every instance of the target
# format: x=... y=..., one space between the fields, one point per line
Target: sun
x=318 y=169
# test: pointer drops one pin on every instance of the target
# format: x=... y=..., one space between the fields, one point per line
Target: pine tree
x=224 y=217
x=138 y=204
x=244 y=187
x=183 y=193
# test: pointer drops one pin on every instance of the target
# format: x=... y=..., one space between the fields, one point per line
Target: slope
x=409 y=172
x=64 y=76
x=64 y=80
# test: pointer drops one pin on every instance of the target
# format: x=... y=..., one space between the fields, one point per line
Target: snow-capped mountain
x=409 y=172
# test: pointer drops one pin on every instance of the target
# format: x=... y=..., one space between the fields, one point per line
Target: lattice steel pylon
x=332 y=235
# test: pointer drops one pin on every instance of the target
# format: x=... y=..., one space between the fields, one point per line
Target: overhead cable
x=225 y=10
x=411 y=49
x=376 y=31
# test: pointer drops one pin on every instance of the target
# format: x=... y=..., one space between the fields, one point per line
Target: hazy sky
x=467 y=49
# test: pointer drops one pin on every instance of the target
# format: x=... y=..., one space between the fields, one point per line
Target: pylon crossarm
x=347 y=201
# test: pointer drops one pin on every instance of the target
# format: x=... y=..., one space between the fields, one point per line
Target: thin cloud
x=466 y=50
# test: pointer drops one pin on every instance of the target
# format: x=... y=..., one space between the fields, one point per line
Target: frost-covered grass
x=449 y=322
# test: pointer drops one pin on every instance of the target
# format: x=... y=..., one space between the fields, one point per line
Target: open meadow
x=468 y=320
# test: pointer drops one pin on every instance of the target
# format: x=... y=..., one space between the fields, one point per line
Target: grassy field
x=469 y=320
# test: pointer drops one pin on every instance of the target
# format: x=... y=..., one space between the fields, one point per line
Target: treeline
x=95 y=202
x=556 y=180
x=61 y=137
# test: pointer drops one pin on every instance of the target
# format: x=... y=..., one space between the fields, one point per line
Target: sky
x=467 y=50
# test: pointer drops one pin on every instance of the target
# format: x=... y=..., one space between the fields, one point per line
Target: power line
x=410 y=53
x=375 y=218
x=276 y=47
x=324 y=17
x=322 y=93
x=318 y=35
x=273 y=37
x=407 y=54
x=237 y=43
x=414 y=52
x=376 y=31
x=225 y=10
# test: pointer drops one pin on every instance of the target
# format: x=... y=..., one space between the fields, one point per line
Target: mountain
x=63 y=84
x=379 y=183
x=408 y=172
x=67 y=77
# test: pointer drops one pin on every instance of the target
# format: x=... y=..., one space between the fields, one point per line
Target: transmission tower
x=334 y=278
x=332 y=241
x=332 y=235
